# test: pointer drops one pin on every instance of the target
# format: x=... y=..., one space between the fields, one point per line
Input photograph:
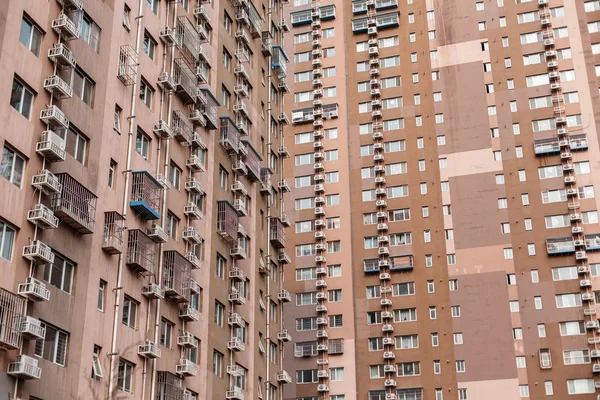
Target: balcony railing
x=546 y=146
x=302 y=116
x=277 y=233
x=227 y=221
x=182 y=127
x=265 y=180
x=169 y=386
x=176 y=276
x=560 y=245
x=112 y=238
x=578 y=142
x=371 y=265
x=210 y=109
x=279 y=61
x=229 y=135
x=141 y=252
x=145 y=195
x=12 y=309
x=189 y=39
x=185 y=77
x=74 y=205
x=253 y=160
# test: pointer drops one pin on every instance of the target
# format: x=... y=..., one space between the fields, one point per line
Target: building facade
x=445 y=223
x=142 y=226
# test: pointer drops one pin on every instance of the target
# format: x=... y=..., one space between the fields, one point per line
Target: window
x=97 y=372
x=335 y=295
x=219 y=313
x=538 y=302
x=333 y=223
x=435 y=339
x=331 y=155
x=572 y=357
x=409 y=368
x=223 y=175
x=101 y=295
x=336 y=374
x=537 y=80
x=225 y=97
x=580 y=386
x=458 y=338
x=335 y=321
x=142 y=144
x=460 y=365
x=328 y=33
x=129 y=316
x=166 y=333
x=31 y=36
x=89 y=32
x=175 y=175
x=149 y=45
x=568 y=300
x=21 y=98
x=117 y=119
x=508 y=253
x=571 y=328
x=146 y=93
x=54 y=345
x=453 y=284
x=12 y=166
x=517 y=333
x=514 y=306
x=226 y=60
x=217 y=366
x=524 y=390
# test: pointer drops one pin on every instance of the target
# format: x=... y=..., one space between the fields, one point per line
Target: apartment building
x=142 y=232
x=445 y=223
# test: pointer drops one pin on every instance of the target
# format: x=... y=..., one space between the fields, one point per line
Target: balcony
x=153 y=291
x=277 y=233
x=227 y=221
x=42 y=217
x=128 y=64
x=54 y=118
x=209 y=108
x=74 y=205
x=189 y=313
x=38 y=252
x=229 y=135
x=176 y=275
x=140 y=252
x=58 y=88
x=32 y=328
x=149 y=350
x=189 y=39
x=182 y=128
x=186 y=368
x=24 y=367
x=592 y=241
x=401 y=263
x=327 y=12
x=112 y=238
x=299 y=18
x=562 y=245
x=187 y=84
x=145 y=195
x=371 y=265
x=267 y=46
x=253 y=160
x=65 y=28
x=52 y=147
x=34 y=290
x=279 y=61
x=389 y=20
x=546 y=146
x=62 y=56
x=578 y=142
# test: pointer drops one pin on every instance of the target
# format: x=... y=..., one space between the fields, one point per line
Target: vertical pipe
x=134 y=95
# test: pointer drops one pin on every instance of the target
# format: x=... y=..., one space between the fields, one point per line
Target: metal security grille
x=12 y=310
x=170 y=387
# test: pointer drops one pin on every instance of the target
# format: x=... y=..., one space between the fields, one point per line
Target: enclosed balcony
x=385 y=4
x=359 y=25
x=330 y=111
x=560 y=245
x=229 y=135
x=389 y=20
x=401 y=263
x=62 y=56
x=145 y=195
x=302 y=17
x=279 y=61
x=185 y=76
x=12 y=308
x=546 y=146
x=74 y=205
x=189 y=39
x=209 y=108
x=265 y=180
x=592 y=241
x=52 y=147
x=182 y=127
x=578 y=142
x=112 y=238
x=141 y=252
x=277 y=233
x=302 y=116
x=176 y=276
x=128 y=64
x=253 y=160
x=327 y=12
x=169 y=386
x=227 y=221
x=371 y=265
